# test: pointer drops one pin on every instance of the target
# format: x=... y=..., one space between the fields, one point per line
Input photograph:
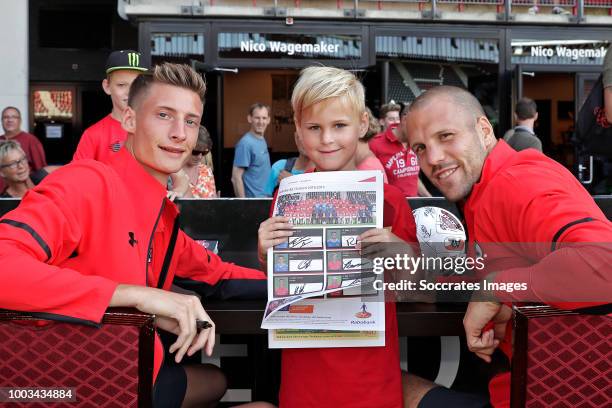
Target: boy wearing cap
x=101 y=140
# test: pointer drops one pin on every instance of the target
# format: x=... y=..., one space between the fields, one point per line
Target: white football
x=440 y=233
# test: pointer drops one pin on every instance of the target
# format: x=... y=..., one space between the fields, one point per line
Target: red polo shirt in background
x=101 y=140
x=400 y=163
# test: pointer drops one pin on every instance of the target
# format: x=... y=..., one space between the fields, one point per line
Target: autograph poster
x=320 y=290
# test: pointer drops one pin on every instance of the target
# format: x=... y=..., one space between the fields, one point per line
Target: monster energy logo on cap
x=133 y=59
x=124 y=59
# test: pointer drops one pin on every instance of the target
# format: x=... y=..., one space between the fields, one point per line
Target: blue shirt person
x=333 y=241
x=252 y=160
x=286 y=167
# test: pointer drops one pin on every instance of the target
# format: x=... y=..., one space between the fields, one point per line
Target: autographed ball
x=439 y=232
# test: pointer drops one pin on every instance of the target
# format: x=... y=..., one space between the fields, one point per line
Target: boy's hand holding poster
x=320 y=290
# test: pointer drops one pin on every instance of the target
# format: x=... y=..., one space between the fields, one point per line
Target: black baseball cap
x=124 y=59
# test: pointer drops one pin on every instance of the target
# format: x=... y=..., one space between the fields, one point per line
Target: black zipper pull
x=150 y=255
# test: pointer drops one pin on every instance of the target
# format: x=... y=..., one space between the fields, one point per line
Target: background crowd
x=384 y=147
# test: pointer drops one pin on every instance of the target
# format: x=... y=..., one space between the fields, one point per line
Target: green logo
x=133 y=59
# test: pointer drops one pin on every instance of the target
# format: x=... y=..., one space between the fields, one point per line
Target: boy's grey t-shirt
x=252 y=154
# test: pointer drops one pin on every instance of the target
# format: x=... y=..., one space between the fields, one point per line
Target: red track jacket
x=525 y=198
x=90 y=226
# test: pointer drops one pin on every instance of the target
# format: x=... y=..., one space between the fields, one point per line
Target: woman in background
x=15 y=170
x=201 y=179
x=366 y=160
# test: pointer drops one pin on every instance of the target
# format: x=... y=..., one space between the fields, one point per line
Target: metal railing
x=545 y=3
x=598 y=3
x=482 y=2
x=506 y=10
x=385 y=4
x=381 y=3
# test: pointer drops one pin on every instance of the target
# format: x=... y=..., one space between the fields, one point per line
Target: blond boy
x=330 y=117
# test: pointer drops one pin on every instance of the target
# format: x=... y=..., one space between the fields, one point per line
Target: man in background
x=389 y=115
x=522 y=136
x=252 y=160
x=400 y=162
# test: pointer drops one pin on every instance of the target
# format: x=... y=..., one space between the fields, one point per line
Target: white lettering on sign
x=565 y=52
x=540 y=51
x=289 y=48
x=250 y=46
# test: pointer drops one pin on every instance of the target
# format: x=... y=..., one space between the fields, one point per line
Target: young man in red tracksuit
x=95 y=235
x=527 y=204
x=104 y=139
x=330 y=118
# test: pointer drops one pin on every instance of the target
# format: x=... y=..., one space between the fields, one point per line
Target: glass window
x=438 y=48
x=177 y=47
x=418 y=63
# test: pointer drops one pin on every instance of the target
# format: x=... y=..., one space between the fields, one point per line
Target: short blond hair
x=180 y=75
x=317 y=84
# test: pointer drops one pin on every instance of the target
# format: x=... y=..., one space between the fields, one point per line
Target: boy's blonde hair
x=317 y=84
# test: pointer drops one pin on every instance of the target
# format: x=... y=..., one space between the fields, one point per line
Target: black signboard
x=244 y=45
x=559 y=52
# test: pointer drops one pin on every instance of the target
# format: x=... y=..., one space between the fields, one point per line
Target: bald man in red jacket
x=530 y=215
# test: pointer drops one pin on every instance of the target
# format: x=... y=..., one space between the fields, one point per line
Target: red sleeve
x=554 y=209
x=204 y=272
x=397 y=214
x=571 y=277
x=541 y=205
x=86 y=148
x=37 y=154
x=39 y=235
